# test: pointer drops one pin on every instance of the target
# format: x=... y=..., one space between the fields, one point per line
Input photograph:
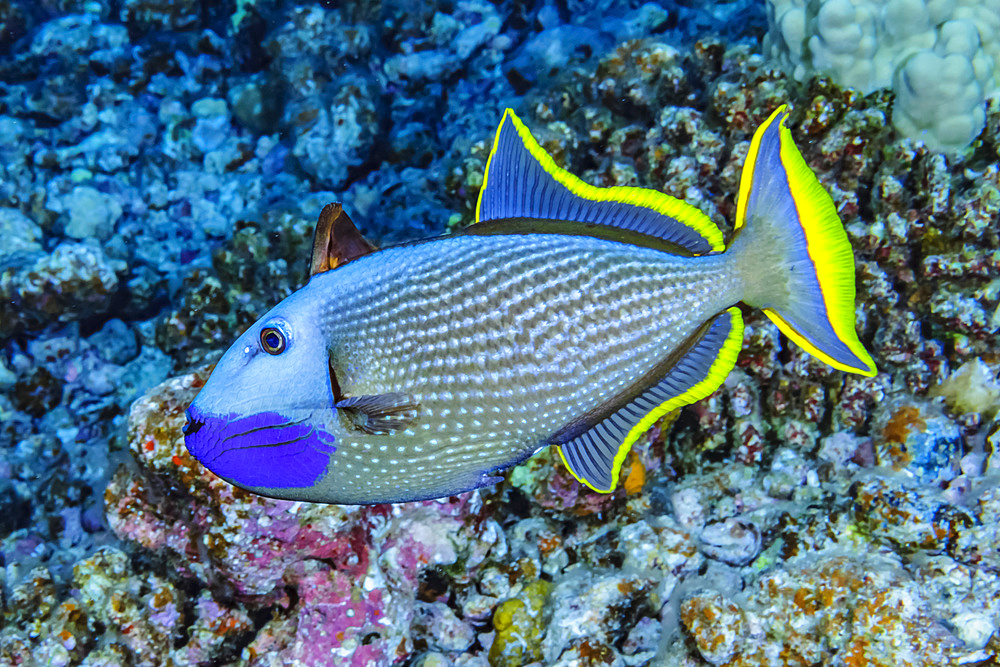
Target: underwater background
x=162 y=164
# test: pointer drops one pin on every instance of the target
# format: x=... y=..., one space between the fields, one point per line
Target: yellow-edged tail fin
x=787 y=222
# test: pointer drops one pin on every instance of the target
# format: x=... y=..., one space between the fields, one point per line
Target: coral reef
x=117 y=616
x=161 y=166
x=864 y=611
x=940 y=59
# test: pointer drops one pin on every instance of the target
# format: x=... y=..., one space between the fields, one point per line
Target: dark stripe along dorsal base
x=523 y=182
x=595 y=457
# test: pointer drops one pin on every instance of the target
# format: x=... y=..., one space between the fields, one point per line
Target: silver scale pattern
x=502 y=340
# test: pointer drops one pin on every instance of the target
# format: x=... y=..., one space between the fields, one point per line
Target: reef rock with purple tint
x=343 y=581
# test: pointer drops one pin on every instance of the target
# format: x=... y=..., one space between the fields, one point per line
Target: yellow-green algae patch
x=519 y=624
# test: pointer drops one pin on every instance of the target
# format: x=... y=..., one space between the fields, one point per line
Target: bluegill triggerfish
x=567 y=315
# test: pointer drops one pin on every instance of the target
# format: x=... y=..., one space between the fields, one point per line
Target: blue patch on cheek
x=266 y=449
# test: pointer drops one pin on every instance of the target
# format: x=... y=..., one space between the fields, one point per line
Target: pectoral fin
x=381 y=414
x=595 y=457
x=336 y=240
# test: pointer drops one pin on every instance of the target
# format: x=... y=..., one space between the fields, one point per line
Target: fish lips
x=265 y=450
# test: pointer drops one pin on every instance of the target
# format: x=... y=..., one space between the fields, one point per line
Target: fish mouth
x=265 y=450
x=193 y=423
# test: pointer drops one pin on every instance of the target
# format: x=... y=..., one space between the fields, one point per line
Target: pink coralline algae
x=342 y=581
x=335 y=623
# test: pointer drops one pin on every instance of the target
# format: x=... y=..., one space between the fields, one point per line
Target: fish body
x=421 y=370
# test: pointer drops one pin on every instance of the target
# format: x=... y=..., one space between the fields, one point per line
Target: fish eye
x=272 y=340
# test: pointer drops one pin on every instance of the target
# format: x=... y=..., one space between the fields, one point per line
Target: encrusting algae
x=520 y=625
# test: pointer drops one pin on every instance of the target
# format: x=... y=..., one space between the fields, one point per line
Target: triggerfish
x=567 y=315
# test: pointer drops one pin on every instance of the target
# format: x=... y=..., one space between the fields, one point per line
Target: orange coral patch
x=907 y=419
x=636 y=477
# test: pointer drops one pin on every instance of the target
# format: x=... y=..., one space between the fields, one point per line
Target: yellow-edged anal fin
x=523 y=181
x=595 y=457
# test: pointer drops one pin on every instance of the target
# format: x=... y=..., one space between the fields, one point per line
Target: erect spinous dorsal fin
x=336 y=240
x=595 y=457
x=522 y=181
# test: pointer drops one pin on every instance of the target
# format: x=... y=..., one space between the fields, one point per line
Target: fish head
x=264 y=419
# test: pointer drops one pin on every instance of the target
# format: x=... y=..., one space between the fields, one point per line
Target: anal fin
x=595 y=457
x=381 y=414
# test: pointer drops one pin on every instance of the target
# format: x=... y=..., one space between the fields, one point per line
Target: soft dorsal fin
x=336 y=240
x=595 y=457
x=522 y=181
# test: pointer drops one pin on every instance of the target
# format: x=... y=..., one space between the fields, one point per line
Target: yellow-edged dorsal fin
x=522 y=181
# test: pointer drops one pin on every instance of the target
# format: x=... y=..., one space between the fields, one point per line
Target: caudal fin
x=793 y=252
